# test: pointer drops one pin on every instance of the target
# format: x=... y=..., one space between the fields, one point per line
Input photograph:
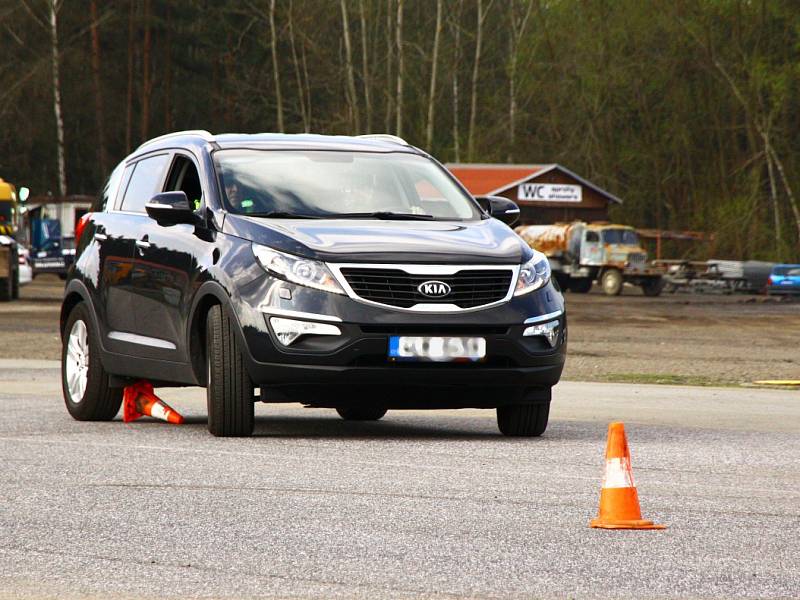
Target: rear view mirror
x=170 y=208
x=500 y=208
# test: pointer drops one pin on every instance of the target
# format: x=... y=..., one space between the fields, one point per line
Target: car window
x=145 y=182
x=110 y=189
x=183 y=177
x=592 y=236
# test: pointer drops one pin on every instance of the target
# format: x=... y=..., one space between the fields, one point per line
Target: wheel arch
x=74 y=294
x=210 y=294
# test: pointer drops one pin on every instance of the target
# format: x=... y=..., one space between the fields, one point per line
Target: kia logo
x=434 y=289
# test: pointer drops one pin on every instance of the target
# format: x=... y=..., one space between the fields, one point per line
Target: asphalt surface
x=417 y=505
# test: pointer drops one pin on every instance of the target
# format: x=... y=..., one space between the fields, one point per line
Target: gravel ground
x=680 y=338
x=418 y=505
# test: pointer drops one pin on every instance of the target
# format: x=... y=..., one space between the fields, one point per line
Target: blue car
x=784 y=279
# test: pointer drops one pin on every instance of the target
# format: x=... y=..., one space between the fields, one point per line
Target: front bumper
x=332 y=370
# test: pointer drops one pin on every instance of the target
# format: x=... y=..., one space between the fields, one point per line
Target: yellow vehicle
x=9 y=224
x=582 y=253
x=9 y=209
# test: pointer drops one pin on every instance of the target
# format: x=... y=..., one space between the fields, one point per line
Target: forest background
x=687 y=109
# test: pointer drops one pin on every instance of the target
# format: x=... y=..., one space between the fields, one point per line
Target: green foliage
x=663 y=103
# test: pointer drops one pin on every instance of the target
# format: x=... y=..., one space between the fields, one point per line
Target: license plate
x=434 y=348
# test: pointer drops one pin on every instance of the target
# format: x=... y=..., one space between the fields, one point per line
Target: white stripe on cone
x=618 y=473
x=159 y=412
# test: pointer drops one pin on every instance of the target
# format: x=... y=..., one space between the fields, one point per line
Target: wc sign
x=549 y=192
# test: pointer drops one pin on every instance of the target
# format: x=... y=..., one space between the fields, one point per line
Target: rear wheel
x=653 y=287
x=229 y=390
x=581 y=285
x=612 y=282
x=84 y=382
x=6 y=289
x=523 y=420
x=361 y=413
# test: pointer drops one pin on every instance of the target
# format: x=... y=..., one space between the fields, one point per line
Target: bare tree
x=98 y=94
x=400 y=69
x=435 y=62
x=147 y=84
x=275 y=72
x=518 y=23
x=55 y=6
x=473 y=106
x=365 y=66
x=129 y=95
x=352 y=98
x=297 y=74
x=389 y=62
x=455 y=24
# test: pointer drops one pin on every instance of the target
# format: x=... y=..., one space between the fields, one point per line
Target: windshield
x=328 y=184
x=790 y=271
x=6 y=212
x=620 y=236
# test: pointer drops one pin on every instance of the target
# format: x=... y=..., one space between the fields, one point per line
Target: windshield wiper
x=280 y=214
x=385 y=215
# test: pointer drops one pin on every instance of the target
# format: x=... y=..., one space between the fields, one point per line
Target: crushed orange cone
x=619 y=502
x=139 y=400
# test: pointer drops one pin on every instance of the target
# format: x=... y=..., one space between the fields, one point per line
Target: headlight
x=533 y=275
x=302 y=271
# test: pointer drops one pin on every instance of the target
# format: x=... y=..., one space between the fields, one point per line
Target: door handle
x=143 y=244
x=100 y=236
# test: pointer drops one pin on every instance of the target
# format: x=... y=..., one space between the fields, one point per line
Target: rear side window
x=145 y=182
x=109 y=193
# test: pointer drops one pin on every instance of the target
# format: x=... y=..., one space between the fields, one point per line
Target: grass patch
x=667 y=379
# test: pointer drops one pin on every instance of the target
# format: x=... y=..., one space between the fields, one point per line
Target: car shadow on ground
x=447 y=428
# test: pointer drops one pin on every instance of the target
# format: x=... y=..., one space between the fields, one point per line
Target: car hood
x=355 y=240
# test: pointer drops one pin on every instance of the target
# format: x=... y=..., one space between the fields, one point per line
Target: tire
x=581 y=285
x=15 y=286
x=229 y=389
x=6 y=289
x=653 y=287
x=612 y=282
x=523 y=420
x=92 y=399
x=361 y=413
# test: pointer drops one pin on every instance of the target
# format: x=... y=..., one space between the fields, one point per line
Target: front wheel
x=361 y=413
x=229 y=389
x=523 y=420
x=84 y=382
x=612 y=282
x=653 y=287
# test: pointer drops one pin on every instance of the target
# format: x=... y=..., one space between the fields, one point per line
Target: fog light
x=288 y=330
x=548 y=330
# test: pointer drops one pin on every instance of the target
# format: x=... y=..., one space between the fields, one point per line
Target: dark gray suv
x=346 y=272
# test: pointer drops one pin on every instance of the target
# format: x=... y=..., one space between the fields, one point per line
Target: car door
x=123 y=229
x=107 y=261
x=165 y=268
x=591 y=248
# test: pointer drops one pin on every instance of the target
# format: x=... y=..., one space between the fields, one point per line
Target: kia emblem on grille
x=434 y=289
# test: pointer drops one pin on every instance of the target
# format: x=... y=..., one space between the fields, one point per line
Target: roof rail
x=199 y=132
x=385 y=137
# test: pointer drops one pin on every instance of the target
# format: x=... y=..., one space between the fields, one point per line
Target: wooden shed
x=545 y=193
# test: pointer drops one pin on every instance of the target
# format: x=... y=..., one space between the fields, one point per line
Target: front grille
x=394 y=287
x=637 y=257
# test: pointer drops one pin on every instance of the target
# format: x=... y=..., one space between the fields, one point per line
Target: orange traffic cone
x=139 y=400
x=619 y=502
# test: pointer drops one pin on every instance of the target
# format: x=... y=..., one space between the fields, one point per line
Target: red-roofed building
x=545 y=193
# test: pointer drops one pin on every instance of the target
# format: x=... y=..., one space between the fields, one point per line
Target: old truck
x=582 y=253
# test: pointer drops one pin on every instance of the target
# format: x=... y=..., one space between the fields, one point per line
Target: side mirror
x=500 y=208
x=170 y=208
